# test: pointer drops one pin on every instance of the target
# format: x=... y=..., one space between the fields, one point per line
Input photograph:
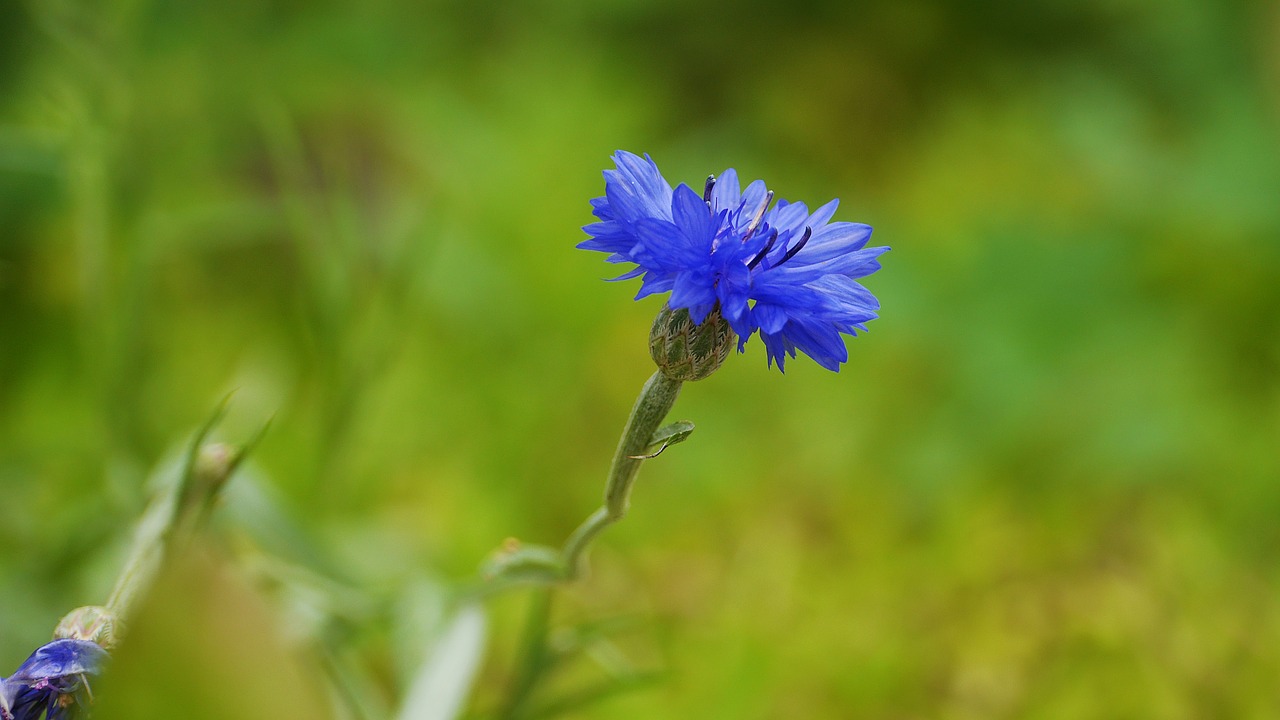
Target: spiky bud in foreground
x=685 y=351
x=93 y=623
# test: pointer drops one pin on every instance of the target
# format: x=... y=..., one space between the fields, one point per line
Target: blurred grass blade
x=580 y=699
x=440 y=689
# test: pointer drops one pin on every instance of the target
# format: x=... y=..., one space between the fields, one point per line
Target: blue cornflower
x=783 y=271
x=51 y=682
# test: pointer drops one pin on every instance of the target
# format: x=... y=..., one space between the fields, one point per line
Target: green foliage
x=1045 y=486
x=668 y=435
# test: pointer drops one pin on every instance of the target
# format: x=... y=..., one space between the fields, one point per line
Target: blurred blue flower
x=52 y=682
x=783 y=271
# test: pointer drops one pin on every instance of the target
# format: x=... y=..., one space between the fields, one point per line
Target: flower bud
x=685 y=351
x=214 y=463
x=95 y=624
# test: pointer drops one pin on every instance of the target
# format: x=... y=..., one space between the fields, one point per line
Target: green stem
x=147 y=552
x=655 y=401
x=575 y=547
x=354 y=693
x=176 y=513
x=533 y=655
x=543 y=565
x=167 y=513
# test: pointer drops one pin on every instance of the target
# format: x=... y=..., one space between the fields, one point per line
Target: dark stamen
x=706 y=189
x=808 y=231
x=760 y=255
x=755 y=221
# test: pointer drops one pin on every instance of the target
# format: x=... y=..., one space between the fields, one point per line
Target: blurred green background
x=1045 y=485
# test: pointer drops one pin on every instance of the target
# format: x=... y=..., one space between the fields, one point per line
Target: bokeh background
x=1044 y=486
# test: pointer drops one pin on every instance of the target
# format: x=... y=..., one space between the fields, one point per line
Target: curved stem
x=575 y=547
x=655 y=401
x=542 y=565
x=653 y=404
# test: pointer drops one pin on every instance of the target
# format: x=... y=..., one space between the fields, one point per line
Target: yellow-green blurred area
x=1046 y=484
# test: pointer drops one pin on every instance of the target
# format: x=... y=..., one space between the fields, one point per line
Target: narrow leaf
x=440 y=689
x=666 y=436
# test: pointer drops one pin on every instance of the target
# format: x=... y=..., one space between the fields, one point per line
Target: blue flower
x=51 y=682
x=781 y=270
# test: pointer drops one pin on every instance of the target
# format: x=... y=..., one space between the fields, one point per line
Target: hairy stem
x=655 y=401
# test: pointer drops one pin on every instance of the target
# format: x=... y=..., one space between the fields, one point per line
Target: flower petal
x=793 y=279
x=726 y=194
